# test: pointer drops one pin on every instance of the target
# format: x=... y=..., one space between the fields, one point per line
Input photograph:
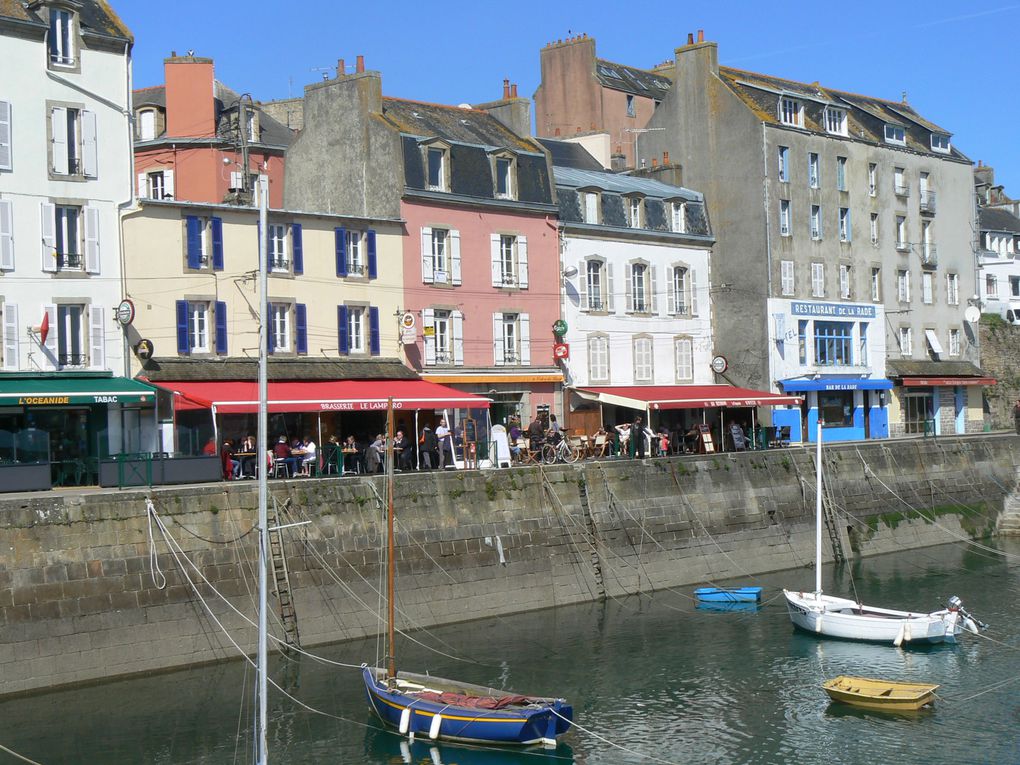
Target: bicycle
x=562 y=450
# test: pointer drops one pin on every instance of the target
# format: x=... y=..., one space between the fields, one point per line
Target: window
x=841 y=173
x=436 y=162
x=895 y=134
x=928 y=250
x=862 y=354
x=157 y=184
x=278 y=260
x=630 y=106
x=440 y=249
x=641 y=291
x=355 y=257
x=926 y=193
x=7 y=239
x=791 y=112
x=596 y=288
x=836 y=408
x=812 y=170
x=681 y=291
x=903 y=286
x=70 y=336
x=683 y=350
x=198 y=326
x=833 y=343
x=953 y=289
x=61 y=37
x=901 y=233
x=802 y=343
x=835 y=120
x=818 y=280
x=147 y=124
x=634 y=210
x=510 y=332
x=906 y=342
x=6 y=153
x=69 y=243
x=444 y=336
x=816 y=222
x=251 y=126
x=591 y=207
x=679 y=218
x=940 y=143
x=784 y=164
x=279 y=327
x=900 y=185
x=991 y=286
x=786 y=277
x=784 y=217
x=876 y=284
x=845 y=288
x=927 y=291
x=204 y=242
x=643 y=369
x=73 y=145
x=872 y=179
x=506 y=186
x=598 y=358
x=356 y=329
x=1014 y=286
x=954 y=342
x=509 y=260
x=845 y=228
x=874 y=228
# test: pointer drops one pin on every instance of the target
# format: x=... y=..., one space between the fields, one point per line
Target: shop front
x=936 y=398
x=59 y=427
x=850 y=407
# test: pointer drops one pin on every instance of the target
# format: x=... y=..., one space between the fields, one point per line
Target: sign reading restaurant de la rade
x=832 y=310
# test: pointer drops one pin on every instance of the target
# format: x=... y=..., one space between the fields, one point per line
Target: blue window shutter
x=341 y=251
x=221 y=328
x=373 y=330
x=194 y=242
x=270 y=336
x=217 y=244
x=343 y=344
x=301 y=321
x=372 y=265
x=182 y=328
x=298 y=248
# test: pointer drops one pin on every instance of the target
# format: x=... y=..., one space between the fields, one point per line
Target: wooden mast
x=391 y=668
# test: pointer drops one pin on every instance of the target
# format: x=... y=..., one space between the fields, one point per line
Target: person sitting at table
x=231 y=467
x=210 y=447
x=375 y=454
x=624 y=431
x=247 y=449
x=352 y=456
x=311 y=457
x=282 y=452
x=402 y=454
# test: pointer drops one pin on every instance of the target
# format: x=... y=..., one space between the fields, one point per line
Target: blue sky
x=956 y=61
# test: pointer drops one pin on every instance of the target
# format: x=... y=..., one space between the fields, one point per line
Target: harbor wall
x=93 y=587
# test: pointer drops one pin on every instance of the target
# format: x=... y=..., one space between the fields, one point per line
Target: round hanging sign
x=559 y=328
x=561 y=351
x=125 y=312
x=720 y=364
x=144 y=349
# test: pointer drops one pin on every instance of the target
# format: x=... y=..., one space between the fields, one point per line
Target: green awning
x=61 y=391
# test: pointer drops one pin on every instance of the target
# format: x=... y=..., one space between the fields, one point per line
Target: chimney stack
x=690 y=38
x=513 y=90
x=359 y=66
x=655 y=162
x=701 y=35
x=665 y=157
x=341 y=67
x=506 y=88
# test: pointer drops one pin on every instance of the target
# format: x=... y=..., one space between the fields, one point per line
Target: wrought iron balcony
x=69 y=261
x=928 y=202
x=929 y=256
x=902 y=189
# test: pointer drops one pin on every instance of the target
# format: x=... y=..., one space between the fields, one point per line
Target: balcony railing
x=928 y=202
x=929 y=255
x=71 y=359
x=355 y=268
x=903 y=246
x=902 y=189
x=444 y=357
x=509 y=280
x=69 y=261
x=596 y=304
x=279 y=264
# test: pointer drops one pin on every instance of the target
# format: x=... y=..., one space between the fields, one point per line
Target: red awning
x=935 y=382
x=320 y=396
x=686 y=396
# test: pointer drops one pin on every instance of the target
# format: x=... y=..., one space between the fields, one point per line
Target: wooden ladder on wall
x=281 y=577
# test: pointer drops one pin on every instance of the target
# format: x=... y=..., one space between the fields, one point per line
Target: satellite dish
x=972 y=314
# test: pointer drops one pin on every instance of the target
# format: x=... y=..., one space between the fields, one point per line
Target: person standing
x=428 y=449
x=1016 y=416
x=637 y=436
x=445 y=440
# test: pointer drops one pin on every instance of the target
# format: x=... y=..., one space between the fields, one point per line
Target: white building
x=999 y=262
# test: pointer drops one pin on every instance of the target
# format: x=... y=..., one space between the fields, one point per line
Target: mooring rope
x=21 y=757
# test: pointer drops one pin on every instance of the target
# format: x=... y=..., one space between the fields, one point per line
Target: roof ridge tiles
x=819 y=86
x=439 y=106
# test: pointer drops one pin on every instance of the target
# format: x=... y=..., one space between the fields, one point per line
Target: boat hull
x=539 y=723
x=728 y=594
x=880 y=695
x=833 y=617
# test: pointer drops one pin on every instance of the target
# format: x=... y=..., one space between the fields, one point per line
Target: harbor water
x=652 y=678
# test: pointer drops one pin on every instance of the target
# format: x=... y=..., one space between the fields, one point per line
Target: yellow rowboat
x=883 y=695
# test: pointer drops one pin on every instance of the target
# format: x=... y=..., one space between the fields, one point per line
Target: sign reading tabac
x=833 y=310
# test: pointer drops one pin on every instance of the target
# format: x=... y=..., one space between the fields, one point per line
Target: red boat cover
x=475 y=702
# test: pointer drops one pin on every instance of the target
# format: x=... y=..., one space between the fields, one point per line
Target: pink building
x=188 y=145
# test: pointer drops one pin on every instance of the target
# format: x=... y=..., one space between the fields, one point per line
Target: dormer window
x=504 y=168
x=791 y=112
x=635 y=212
x=678 y=219
x=895 y=134
x=590 y=200
x=437 y=160
x=835 y=120
x=940 y=143
x=62 y=37
x=147 y=125
x=252 y=126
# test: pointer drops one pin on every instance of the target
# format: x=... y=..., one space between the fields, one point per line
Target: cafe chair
x=280 y=466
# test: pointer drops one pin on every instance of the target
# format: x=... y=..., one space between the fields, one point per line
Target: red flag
x=44 y=328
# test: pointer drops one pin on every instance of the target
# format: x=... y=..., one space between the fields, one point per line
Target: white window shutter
x=522 y=262
x=90 y=149
x=236 y=181
x=58 y=131
x=143 y=186
x=50 y=349
x=628 y=273
x=97 y=337
x=653 y=289
x=6 y=150
x=426 y=259
x=582 y=269
x=168 y=183
x=498 y=347
x=6 y=235
x=92 y=240
x=610 y=301
x=454 y=257
x=525 y=339
x=671 y=290
x=427 y=321
x=497 y=261
x=692 y=277
x=10 y=331
x=457 y=319
x=47 y=215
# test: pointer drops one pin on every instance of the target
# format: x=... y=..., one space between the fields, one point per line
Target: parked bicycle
x=562 y=450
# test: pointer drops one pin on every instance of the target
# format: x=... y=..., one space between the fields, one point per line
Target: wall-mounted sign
x=407 y=328
x=561 y=351
x=144 y=349
x=720 y=364
x=834 y=310
x=125 y=312
x=559 y=328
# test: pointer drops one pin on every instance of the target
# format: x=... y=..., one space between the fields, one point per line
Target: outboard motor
x=969 y=622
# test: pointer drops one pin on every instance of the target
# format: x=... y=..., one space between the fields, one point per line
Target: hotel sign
x=833 y=310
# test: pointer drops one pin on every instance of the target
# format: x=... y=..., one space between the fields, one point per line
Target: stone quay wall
x=83 y=598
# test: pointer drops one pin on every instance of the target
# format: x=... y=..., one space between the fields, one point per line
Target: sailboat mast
x=391 y=659
x=818 y=509
x=262 y=713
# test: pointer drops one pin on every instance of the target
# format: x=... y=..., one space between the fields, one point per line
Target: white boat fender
x=970 y=625
x=818 y=623
x=405 y=720
x=907 y=635
x=437 y=721
x=899 y=636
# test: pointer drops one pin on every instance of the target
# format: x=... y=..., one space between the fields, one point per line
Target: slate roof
x=453 y=123
x=629 y=79
x=570 y=154
x=172 y=368
x=95 y=16
x=908 y=368
x=995 y=219
x=622 y=184
x=866 y=115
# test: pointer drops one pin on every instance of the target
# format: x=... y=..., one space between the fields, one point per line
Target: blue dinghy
x=728 y=594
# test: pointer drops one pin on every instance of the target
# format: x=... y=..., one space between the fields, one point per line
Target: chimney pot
x=557 y=131
x=701 y=35
x=360 y=64
x=513 y=90
x=665 y=157
x=341 y=67
x=690 y=38
x=506 y=88
x=655 y=162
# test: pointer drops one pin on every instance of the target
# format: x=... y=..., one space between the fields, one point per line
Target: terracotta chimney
x=701 y=35
x=360 y=64
x=655 y=162
x=506 y=88
x=690 y=38
x=557 y=132
x=341 y=67
x=665 y=157
x=513 y=90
